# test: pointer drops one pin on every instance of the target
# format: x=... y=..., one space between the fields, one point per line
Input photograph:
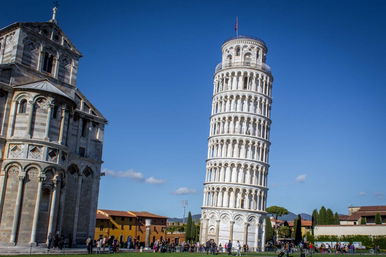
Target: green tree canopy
x=298 y=230
x=336 y=218
x=322 y=216
x=188 y=230
x=378 y=218
x=329 y=217
x=315 y=216
x=277 y=211
x=284 y=232
x=268 y=230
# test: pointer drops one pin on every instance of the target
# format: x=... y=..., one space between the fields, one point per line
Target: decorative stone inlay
x=52 y=155
x=16 y=151
x=35 y=152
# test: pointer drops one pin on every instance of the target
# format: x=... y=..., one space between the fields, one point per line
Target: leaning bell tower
x=235 y=187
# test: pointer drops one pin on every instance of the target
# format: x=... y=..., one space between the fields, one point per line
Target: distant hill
x=291 y=216
x=195 y=217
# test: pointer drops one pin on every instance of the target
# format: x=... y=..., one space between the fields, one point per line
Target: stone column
x=263 y=236
x=232 y=199
x=246 y=233
x=217 y=231
x=36 y=211
x=75 y=227
x=30 y=114
x=51 y=221
x=219 y=199
x=203 y=228
x=206 y=229
x=226 y=198
x=80 y=124
x=3 y=189
x=16 y=215
x=14 y=113
x=62 y=121
x=147 y=238
x=62 y=206
x=48 y=122
x=231 y=224
x=93 y=209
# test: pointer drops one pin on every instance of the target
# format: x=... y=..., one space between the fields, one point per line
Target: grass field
x=203 y=255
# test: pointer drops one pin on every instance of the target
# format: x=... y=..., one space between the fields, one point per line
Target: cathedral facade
x=235 y=188
x=51 y=139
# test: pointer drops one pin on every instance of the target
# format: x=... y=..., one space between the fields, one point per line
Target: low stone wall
x=345 y=230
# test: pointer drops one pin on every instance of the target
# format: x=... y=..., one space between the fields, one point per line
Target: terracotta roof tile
x=100 y=216
x=118 y=213
x=373 y=208
x=147 y=214
x=305 y=223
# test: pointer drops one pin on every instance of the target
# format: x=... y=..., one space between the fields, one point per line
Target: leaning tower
x=235 y=188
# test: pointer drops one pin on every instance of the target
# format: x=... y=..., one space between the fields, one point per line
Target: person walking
x=99 y=245
x=50 y=240
x=238 y=246
x=89 y=245
x=229 y=247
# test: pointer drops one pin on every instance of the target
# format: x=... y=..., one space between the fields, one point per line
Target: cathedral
x=51 y=138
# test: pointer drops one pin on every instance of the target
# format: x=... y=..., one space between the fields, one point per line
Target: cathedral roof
x=39 y=28
x=43 y=85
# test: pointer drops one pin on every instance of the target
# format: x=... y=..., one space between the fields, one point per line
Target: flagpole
x=237 y=26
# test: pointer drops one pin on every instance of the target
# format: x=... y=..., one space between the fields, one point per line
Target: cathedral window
x=48 y=62
x=55 y=112
x=82 y=151
x=84 y=128
x=23 y=106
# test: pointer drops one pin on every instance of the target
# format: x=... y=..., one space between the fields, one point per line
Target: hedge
x=368 y=241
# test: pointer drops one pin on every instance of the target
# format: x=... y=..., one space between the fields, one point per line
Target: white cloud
x=153 y=180
x=184 y=191
x=362 y=193
x=379 y=195
x=124 y=174
x=132 y=174
x=301 y=178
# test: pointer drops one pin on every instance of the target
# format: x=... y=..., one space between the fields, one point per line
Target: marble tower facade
x=235 y=188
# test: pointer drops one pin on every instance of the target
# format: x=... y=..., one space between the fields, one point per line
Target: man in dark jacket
x=229 y=247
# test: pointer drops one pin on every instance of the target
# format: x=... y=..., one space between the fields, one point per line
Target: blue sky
x=148 y=66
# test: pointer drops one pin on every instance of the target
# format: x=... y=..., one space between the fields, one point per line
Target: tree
x=298 y=230
x=284 y=232
x=193 y=232
x=378 y=218
x=188 y=230
x=329 y=217
x=322 y=216
x=315 y=215
x=363 y=220
x=337 y=222
x=277 y=211
x=268 y=230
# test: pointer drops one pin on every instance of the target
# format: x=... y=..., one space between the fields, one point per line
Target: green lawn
x=203 y=255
